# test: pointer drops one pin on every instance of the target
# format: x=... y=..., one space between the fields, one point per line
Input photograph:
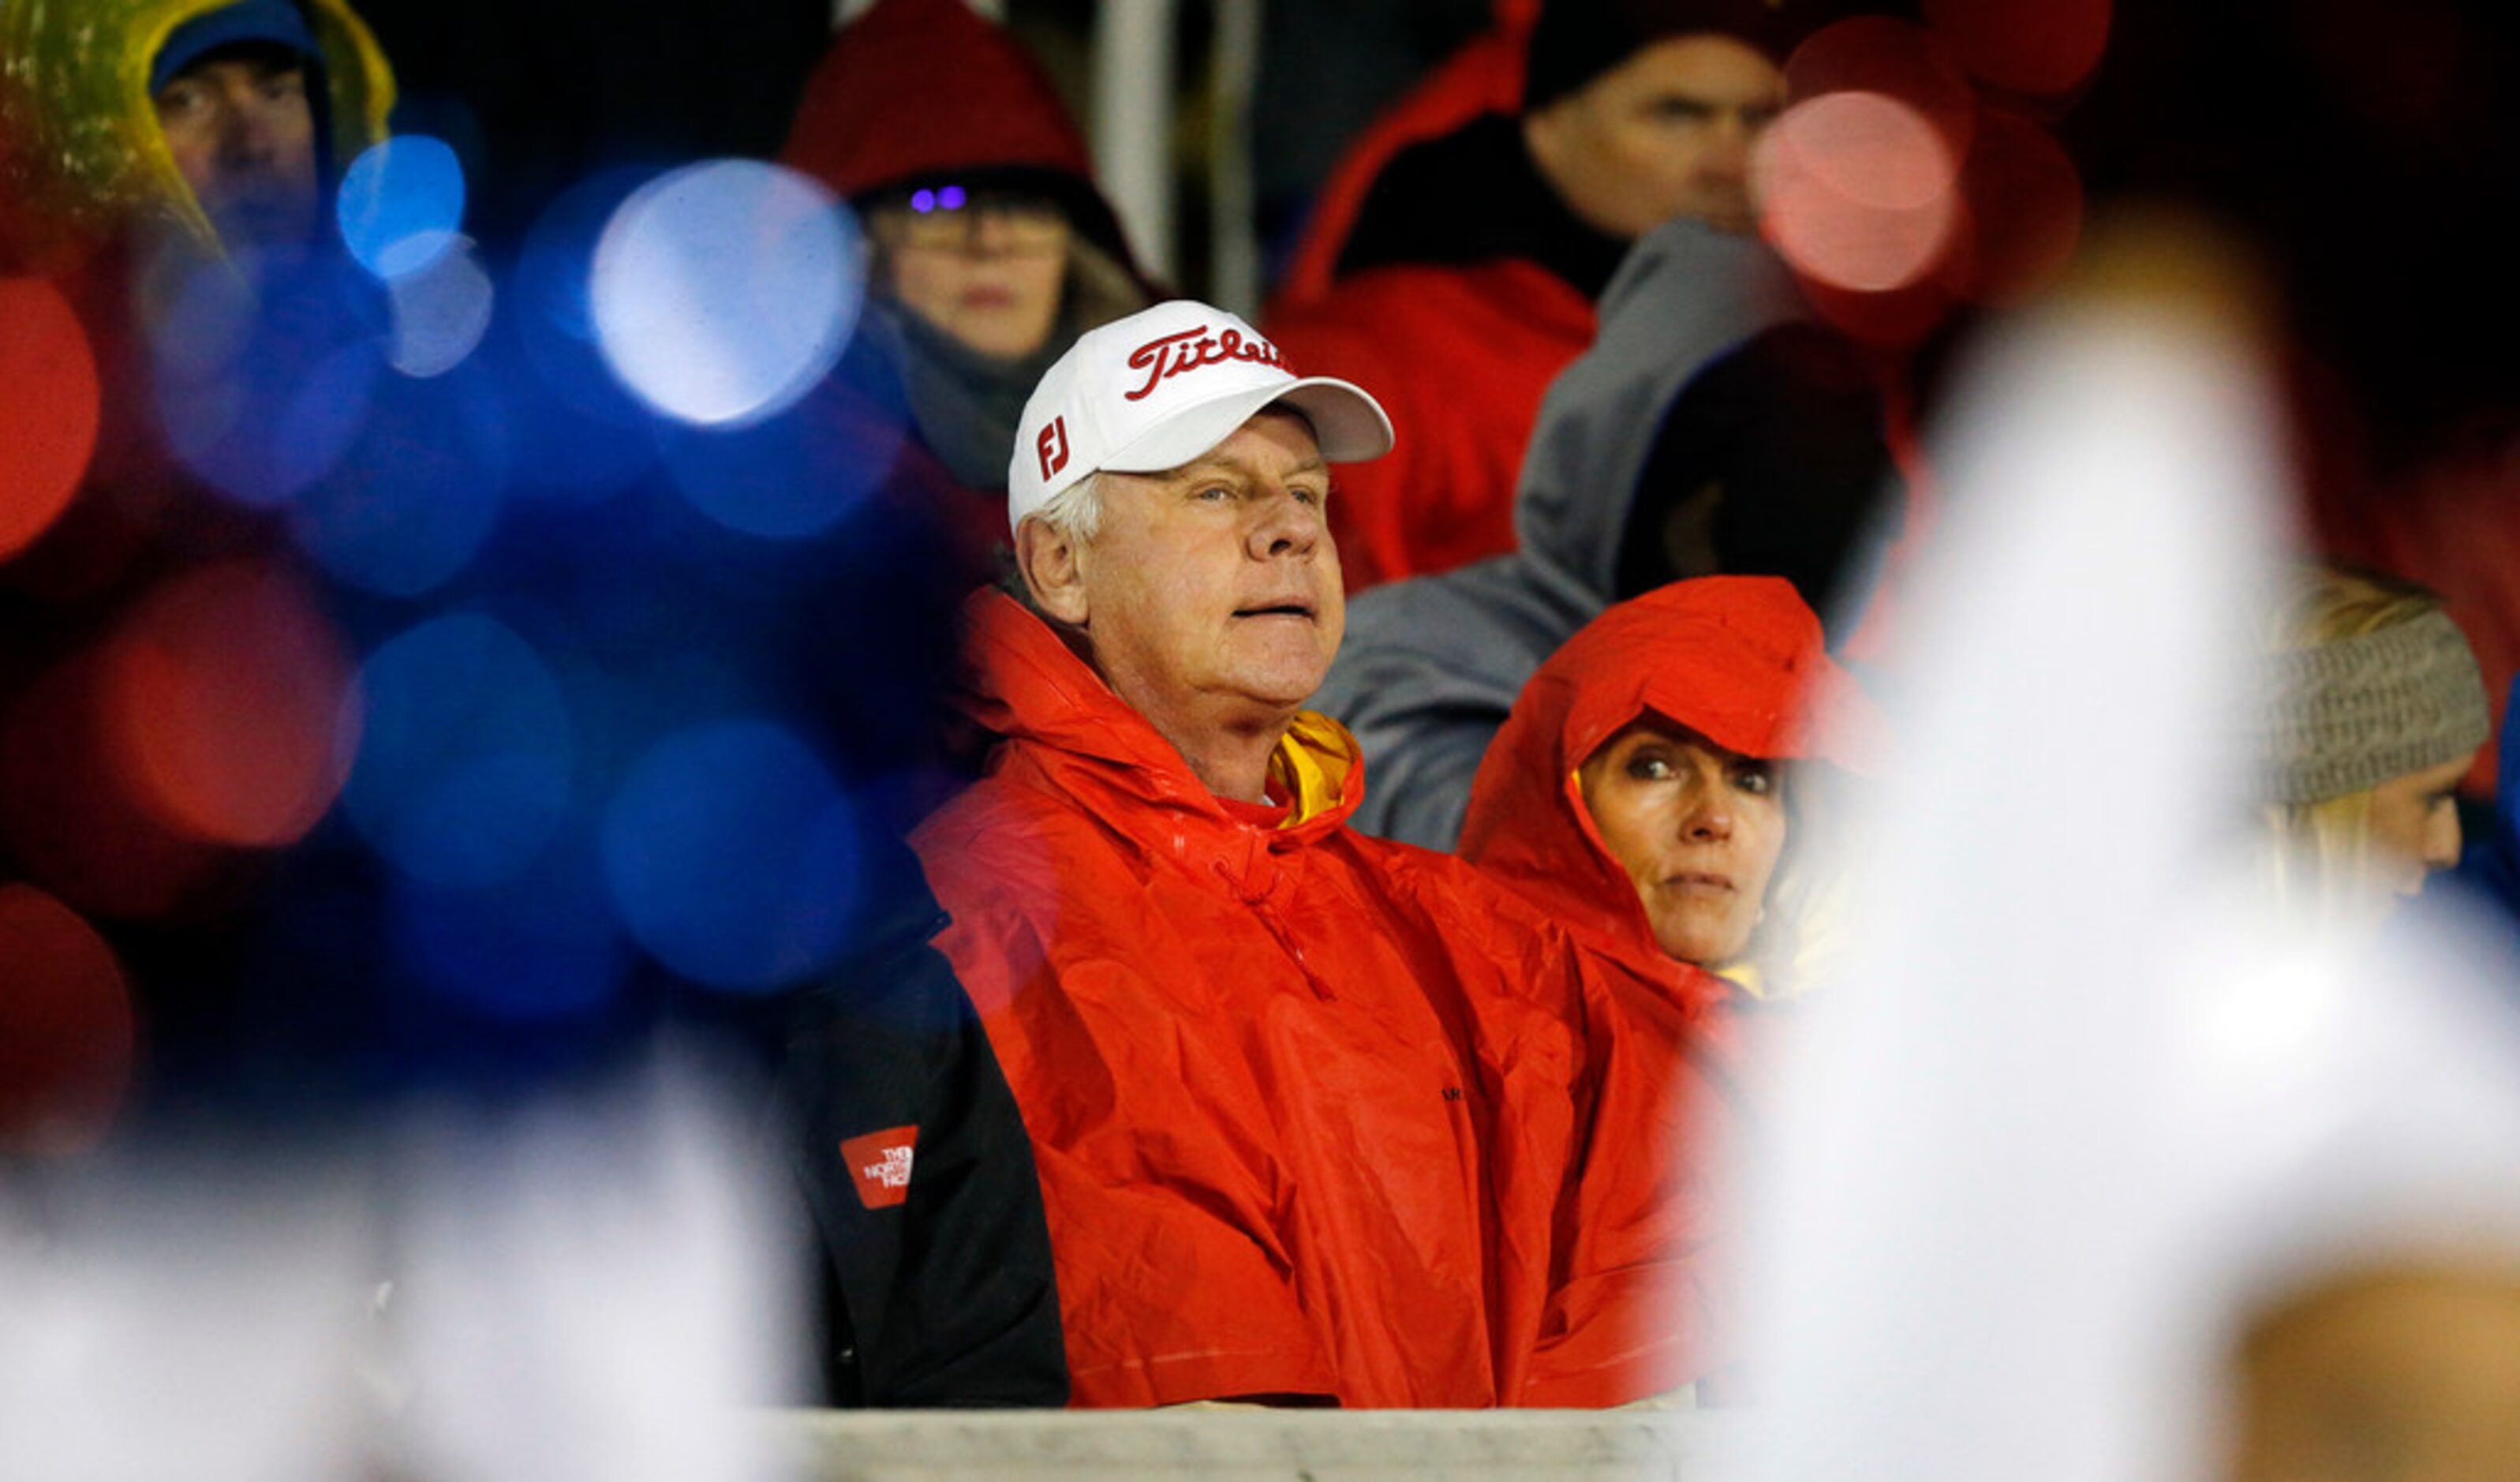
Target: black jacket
x=914 y=1164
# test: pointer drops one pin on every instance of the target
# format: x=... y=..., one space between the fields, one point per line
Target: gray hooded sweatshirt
x=1433 y=665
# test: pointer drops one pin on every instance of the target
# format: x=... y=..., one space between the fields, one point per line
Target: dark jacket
x=915 y=1167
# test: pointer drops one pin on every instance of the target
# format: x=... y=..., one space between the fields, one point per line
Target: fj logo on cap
x=1051 y=445
x=879 y=1165
x=1192 y=349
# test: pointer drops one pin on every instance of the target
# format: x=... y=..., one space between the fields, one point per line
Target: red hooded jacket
x=1494 y=335
x=1461 y=356
x=916 y=87
x=1740 y=660
x=1299 y=1097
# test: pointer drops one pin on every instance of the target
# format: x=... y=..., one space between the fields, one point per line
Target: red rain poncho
x=1460 y=355
x=1299 y=1097
x=1740 y=660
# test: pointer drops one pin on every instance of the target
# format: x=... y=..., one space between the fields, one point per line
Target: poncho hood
x=1024 y=684
x=1739 y=659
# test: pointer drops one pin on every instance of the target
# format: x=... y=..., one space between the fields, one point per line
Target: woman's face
x=1695 y=827
x=2414 y=826
x=986 y=270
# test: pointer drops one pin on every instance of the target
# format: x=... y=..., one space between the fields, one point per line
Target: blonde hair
x=2320 y=855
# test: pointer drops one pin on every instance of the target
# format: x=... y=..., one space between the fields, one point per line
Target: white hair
x=1075 y=512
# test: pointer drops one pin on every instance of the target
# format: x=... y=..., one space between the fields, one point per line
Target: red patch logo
x=880 y=1164
x=1051 y=445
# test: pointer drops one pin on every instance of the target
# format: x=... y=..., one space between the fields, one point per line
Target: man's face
x=1666 y=133
x=243 y=134
x=1214 y=588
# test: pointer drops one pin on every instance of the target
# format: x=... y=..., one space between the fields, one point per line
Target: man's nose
x=249 y=130
x=1727 y=154
x=1285 y=526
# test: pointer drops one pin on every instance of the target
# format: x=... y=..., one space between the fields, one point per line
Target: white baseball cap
x=1156 y=389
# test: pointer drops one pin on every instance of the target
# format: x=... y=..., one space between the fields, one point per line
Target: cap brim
x=1349 y=426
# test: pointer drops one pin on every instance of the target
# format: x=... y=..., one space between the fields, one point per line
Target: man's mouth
x=1288 y=607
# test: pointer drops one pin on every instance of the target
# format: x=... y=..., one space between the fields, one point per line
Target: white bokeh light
x=723 y=290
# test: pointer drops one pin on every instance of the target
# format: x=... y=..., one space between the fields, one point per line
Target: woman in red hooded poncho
x=1636 y=794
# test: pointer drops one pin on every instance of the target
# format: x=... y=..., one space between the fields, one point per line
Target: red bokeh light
x=2042 y=47
x=49 y=409
x=2024 y=202
x=66 y=1028
x=1894 y=58
x=68 y=809
x=1858 y=190
x=1899 y=317
x=226 y=704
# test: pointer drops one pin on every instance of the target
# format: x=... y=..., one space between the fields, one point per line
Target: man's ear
x=1053 y=565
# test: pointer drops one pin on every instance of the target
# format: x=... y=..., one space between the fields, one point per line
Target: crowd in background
x=1235 y=859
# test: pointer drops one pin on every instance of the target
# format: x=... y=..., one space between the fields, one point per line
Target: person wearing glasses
x=991 y=249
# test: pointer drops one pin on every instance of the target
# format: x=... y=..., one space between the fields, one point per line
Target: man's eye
x=1307 y=495
x=1214 y=493
x=1682 y=111
x=178 y=98
x=1649 y=767
x=1760 y=780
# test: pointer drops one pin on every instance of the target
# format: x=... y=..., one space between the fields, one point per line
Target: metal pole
x=1234 y=229
x=1133 y=111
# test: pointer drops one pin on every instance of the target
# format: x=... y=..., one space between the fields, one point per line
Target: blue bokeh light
x=440 y=312
x=580 y=434
x=951 y=198
x=467 y=756
x=723 y=290
x=544 y=946
x=923 y=201
x=419 y=495
x=202 y=317
x=733 y=856
x=400 y=204
x=786 y=478
x=269 y=425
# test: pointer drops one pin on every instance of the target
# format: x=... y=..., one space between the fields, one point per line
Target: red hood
x=1026 y=685
x=915 y=87
x=1736 y=658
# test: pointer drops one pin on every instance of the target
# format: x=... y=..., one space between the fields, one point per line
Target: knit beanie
x=271 y=22
x=2346 y=717
x=1578 y=40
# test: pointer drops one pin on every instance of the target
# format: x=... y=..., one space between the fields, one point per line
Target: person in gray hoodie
x=1713 y=427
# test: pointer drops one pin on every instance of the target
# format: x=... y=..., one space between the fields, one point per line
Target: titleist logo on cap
x=1192 y=350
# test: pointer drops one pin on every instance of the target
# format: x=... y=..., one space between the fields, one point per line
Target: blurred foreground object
x=2087 y=1111
x=586 y=1286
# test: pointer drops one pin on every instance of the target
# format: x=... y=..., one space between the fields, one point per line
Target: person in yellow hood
x=208 y=125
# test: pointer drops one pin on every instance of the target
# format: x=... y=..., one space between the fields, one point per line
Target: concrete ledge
x=1246 y=1446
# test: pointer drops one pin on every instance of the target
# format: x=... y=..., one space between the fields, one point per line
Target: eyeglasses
x=950 y=216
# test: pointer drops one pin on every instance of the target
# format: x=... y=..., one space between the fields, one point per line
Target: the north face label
x=879 y=1165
